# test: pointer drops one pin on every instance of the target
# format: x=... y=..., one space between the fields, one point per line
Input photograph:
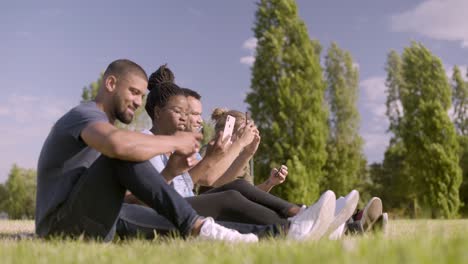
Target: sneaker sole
x=324 y=216
x=346 y=212
x=371 y=213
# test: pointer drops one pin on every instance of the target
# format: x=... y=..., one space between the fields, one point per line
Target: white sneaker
x=338 y=233
x=213 y=231
x=313 y=222
x=345 y=207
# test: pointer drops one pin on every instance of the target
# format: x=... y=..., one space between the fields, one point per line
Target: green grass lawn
x=407 y=241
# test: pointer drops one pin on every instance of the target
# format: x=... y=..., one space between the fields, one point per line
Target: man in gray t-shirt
x=64 y=157
x=87 y=164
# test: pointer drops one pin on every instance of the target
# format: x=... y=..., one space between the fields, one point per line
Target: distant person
x=86 y=165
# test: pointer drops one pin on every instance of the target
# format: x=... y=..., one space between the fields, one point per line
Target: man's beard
x=121 y=115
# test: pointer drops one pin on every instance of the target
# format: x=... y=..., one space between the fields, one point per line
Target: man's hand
x=178 y=164
x=187 y=143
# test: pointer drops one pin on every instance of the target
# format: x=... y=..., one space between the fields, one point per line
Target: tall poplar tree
x=460 y=102
x=344 y=145
x=427 y=132
x=460 y=114
x=287 y=100
x=397 y=184
x=393 y=83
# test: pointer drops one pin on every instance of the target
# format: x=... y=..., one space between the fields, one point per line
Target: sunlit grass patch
x=407 y=241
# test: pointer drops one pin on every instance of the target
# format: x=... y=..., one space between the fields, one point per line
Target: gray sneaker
x=212 y=231
x=313 y=222
x=363 y=220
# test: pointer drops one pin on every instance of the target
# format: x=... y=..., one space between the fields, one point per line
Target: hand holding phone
x=229 y=127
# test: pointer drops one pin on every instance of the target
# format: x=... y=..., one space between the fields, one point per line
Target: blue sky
x=51 y=49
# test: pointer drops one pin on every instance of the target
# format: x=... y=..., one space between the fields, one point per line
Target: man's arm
x=135 y=146
x=216 y=162
x=218 y=168
x=237 y=167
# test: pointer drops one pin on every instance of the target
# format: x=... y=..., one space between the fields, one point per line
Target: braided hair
x=161 y=88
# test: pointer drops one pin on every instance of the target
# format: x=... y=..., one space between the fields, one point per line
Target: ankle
x=196 y=228
x=293 y=211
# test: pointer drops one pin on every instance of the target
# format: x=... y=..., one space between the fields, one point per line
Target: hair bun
x=162 y=75
x=218 y=113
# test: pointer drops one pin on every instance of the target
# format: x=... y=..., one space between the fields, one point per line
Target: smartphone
x=229 y=127
x=279 y=170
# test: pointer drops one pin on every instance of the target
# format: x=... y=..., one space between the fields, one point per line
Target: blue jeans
x=93 y=207
x=136 y=220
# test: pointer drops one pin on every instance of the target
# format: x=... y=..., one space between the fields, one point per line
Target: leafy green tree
x=90 y=91
x=393 y=83
x=460 y=102
x=392 y=181
x=427 y=132
x=21 y=193
x=208 y=132
x=344 y=145
x=463 y=141
x=287 y=100
x=460 y=107
x=3 y=197
x=141 y=120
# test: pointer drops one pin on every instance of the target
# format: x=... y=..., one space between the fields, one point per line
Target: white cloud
x=375 y=122
x=375 y=145
x=437 y=19
x=250 y=44
x=374 y=90
x=247 y=60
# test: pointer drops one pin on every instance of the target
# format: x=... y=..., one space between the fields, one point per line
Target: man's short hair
x=192 y=93
x=123 y=67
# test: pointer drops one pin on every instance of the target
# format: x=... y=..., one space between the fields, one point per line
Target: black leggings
x=239 y=201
